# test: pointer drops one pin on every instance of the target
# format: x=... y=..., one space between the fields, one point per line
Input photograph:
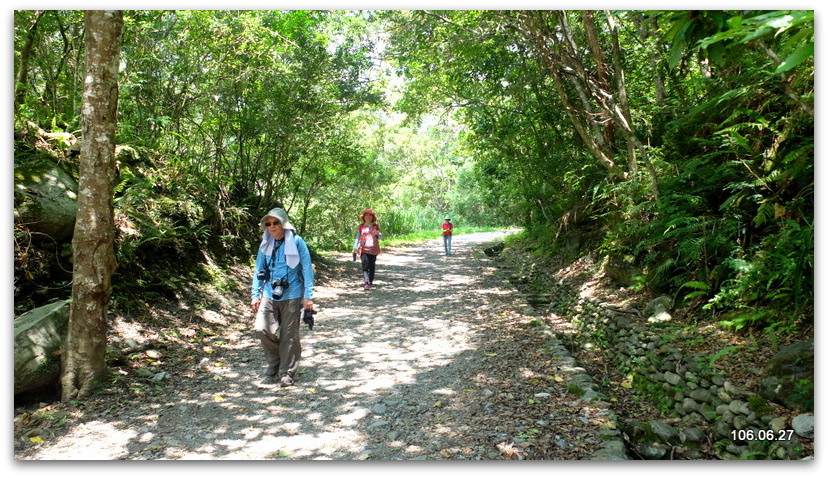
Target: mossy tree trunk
x=83 y=362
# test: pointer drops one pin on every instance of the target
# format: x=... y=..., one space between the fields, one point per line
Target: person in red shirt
x=447 y=227
x=366 y=244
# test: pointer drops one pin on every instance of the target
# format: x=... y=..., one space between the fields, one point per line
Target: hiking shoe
x=366 y=286
x=286 y=381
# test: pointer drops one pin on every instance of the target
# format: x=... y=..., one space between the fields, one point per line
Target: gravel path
x=438 y=361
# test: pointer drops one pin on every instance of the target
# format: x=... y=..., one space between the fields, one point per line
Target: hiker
x=282 y=287
x=366 y=244
x=447 y=227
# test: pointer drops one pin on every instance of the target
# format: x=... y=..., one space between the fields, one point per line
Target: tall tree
x=22 y=73
x=83 y=361
x=594 y=94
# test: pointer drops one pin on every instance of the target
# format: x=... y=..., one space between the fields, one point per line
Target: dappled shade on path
x=436 y=362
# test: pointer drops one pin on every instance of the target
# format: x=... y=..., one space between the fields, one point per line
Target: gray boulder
x=620 y=269
x=38 y=336
x=45 y=197
x=612 y=450
x=658 y=306
x=803 y=425
x=651 y=440
x=789 y=377
x=663 y=431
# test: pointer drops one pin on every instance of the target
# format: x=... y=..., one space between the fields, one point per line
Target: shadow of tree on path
x=397 y=372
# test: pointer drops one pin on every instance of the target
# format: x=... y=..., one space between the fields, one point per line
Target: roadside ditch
x=677 y=389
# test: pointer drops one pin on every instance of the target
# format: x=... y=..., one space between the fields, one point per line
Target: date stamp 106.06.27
x=763 y=435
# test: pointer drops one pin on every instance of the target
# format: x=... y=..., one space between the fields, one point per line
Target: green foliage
x=795 y=27
x=47 y=42
x=655 y=393
x=424 y=235
x=417 y=114
x=759 y=405
x=803 y=391
x=521 y=154
x=267 y=97
x=721 y=353
x=734 y=222
x=781 y=271
x=406 y=221
x=701 y=289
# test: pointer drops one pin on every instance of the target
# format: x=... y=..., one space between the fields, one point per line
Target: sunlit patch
x=114 y=447
x=353 y=417
x=443 y=391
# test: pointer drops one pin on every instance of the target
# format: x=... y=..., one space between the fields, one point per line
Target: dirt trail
x=436 y=362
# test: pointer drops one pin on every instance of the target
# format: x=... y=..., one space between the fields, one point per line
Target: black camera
x=279 y=286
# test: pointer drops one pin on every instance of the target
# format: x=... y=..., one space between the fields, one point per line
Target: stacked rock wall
x=702 y=407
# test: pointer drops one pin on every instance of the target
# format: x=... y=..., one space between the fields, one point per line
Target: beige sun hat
x=279 y=214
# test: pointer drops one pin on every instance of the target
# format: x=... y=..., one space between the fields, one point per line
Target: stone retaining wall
x=706 y=404
x=702 y=406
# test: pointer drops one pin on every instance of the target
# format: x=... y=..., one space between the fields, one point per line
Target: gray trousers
x=277 y=326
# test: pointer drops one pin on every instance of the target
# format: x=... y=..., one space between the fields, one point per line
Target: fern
x=702 y=289
x=764 y=214
x=721 y=353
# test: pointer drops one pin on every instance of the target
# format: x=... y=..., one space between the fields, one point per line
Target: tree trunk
x=603 y=75
x=624 y=114
x=603 y=103
x=655 y=66
x=560 y=59
x=84 y=359
x=23 y=64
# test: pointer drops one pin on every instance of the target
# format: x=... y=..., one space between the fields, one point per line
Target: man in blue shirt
x=282 y=287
